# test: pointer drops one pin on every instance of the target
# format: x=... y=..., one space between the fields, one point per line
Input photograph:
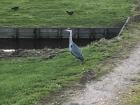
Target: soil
x=44 y=53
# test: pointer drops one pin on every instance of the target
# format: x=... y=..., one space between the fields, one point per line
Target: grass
x=132 y=95
x=24 y=81
x=51 y=13
x=133 y=98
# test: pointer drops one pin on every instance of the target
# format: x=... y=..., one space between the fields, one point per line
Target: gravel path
x=107 y=90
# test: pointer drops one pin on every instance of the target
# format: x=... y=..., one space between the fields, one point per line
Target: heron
x=73 y=48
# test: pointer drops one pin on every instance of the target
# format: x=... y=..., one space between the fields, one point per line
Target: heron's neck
x=70 y=38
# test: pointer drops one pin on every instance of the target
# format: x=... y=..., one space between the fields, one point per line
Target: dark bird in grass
x=70 y=12
x=15 y=8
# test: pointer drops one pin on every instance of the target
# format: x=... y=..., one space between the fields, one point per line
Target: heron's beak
x=65 y=30
x=68 y=30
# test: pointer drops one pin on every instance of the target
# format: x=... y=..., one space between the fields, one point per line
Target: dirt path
x=107 y=90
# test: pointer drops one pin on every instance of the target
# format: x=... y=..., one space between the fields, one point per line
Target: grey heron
x=73 y=48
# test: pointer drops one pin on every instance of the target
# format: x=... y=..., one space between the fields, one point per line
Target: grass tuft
x=52 y=13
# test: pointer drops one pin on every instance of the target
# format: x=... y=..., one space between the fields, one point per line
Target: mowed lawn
x=52 y=13
x=24 y=81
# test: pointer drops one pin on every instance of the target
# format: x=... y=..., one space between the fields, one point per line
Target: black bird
x=70 y=12
x=15 y=8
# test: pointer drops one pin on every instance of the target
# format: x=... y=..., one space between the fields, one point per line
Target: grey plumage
x=74 y=49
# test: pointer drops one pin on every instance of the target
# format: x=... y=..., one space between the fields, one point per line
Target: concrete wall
x=29 y=38
x=57 y=32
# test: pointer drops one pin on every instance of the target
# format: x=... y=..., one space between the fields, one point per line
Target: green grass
x=134 y=97
x=51 y=13
x=24 y=81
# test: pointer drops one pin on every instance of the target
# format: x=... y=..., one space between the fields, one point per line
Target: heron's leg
x=82 y=62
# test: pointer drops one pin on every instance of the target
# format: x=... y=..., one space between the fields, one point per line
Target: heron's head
x=69 y=30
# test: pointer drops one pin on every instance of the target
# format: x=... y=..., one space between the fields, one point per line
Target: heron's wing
x=75 y=50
